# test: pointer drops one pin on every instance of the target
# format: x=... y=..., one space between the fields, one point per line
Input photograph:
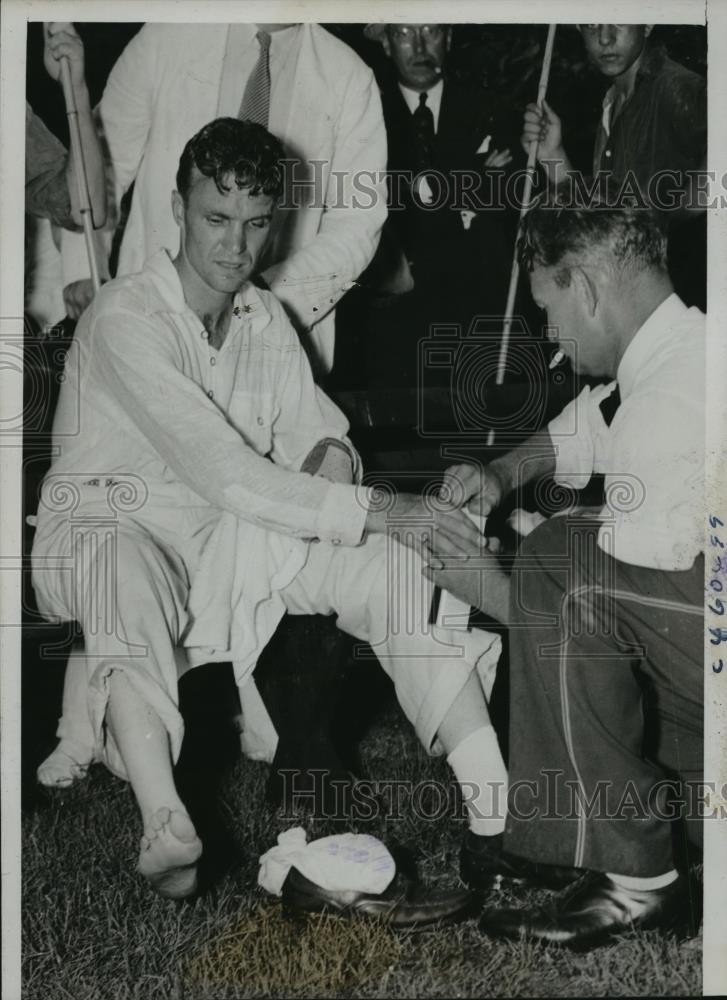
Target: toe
x=182 y=827
x=159 y=819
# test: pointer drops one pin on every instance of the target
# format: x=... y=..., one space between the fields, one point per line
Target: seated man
x=189 y=436
x=606 y=611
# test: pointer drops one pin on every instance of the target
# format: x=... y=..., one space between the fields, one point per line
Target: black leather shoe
x=592 y=912
x=482 y=861
x=402 y=904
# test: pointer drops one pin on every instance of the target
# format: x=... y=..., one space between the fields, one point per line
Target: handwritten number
x=718 y=669
x=714 y=540
x=714 y=521
x=720 y=635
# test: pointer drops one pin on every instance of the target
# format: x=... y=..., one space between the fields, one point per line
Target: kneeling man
x=606 y=608
x=204 y=486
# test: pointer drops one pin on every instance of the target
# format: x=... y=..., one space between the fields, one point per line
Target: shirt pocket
x=252 y=414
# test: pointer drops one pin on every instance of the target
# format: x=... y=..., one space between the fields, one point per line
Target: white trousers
x=129 y=593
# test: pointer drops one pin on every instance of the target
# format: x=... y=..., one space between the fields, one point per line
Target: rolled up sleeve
x=570 y=433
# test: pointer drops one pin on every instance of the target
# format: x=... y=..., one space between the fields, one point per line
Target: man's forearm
x=531 y=460
x=557 y=169
x=94 y=164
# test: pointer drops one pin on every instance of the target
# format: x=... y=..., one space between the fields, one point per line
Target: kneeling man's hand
x=473 y=574
x=480 y=488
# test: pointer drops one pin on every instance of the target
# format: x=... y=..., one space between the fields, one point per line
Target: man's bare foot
x=68 y=763
x=170 y=849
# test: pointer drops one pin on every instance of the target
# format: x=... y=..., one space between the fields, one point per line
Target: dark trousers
x=606 y=703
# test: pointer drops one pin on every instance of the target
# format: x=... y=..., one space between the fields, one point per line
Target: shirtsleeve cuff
x=342 y=518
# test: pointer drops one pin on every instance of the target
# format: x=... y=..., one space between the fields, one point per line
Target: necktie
x=423 y=134
x=609 y=406
x=255 y=105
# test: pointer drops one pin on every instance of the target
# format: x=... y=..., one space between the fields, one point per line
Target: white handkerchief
x=353 y=861
x=484 y=145
x=525 y=521
x=426 y=195
x=466 y=216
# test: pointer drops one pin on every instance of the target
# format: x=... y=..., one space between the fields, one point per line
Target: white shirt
x=652 y=455
x=241 y=56
x=146 y=394
x=434 y=99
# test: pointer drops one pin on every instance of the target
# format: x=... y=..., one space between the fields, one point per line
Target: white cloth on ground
x=355 y=862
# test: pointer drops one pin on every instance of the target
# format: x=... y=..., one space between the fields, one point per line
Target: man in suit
x=441 y=146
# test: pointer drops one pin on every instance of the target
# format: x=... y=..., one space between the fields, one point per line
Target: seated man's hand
x=423 y=524
x=77 y=296
x=480 y=488
x=330 y=459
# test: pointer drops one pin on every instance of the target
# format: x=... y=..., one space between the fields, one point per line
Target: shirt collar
x=648 y=343
x=167 y=291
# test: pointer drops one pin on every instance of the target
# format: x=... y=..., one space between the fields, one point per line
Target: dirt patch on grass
x=266 y=954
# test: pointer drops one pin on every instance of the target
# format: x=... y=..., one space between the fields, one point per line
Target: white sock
x=480 y=770
x=655 y=882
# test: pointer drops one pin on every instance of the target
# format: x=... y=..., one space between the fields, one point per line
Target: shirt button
x=213 y=361
x=210 y=394
x=204 y=335
x=335 y=541
x=608 y=152
x=260 y=421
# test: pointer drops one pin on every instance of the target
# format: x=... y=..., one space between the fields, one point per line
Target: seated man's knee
x=120 y=571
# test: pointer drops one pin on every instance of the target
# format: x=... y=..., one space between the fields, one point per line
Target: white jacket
x=166 y=86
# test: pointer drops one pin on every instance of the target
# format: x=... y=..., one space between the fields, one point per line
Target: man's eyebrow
x=225 y=215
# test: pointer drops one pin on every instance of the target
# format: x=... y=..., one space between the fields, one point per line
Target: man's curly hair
x=243 y=150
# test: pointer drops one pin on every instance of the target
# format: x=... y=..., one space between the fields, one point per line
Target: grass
x=92 y=930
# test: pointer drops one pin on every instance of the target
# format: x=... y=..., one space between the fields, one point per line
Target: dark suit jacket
x=438 y=246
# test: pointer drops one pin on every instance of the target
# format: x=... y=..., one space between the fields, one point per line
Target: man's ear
x=648 y=28
x=178 y=208
x=586 y=288
x=386 y=42
x=447 y=39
